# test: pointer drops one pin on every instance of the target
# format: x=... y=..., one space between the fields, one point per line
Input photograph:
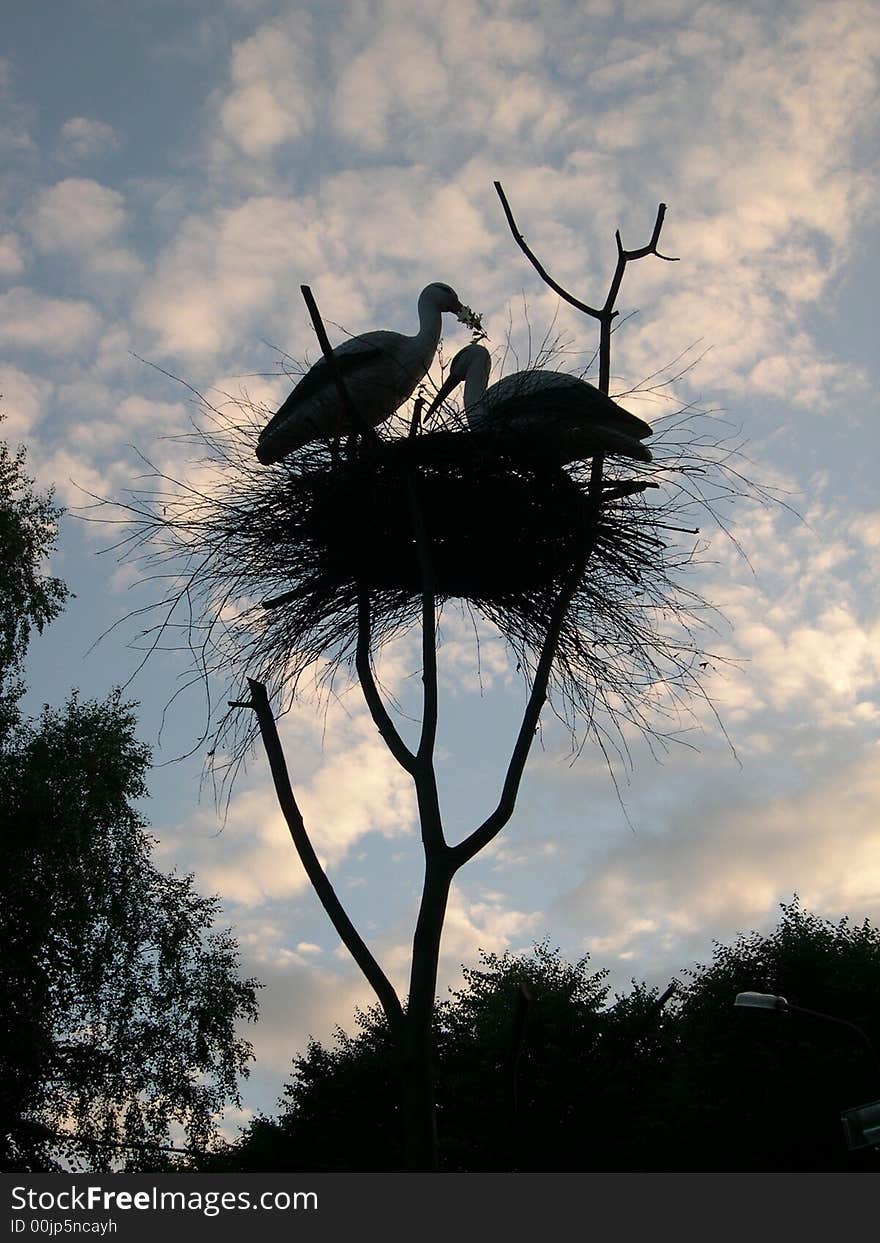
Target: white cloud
x=350 y=789
x=271 y=101
x=83 y=138
x=726 y=863
x=225 y=278
x=51 y=325
x=72 y=473
x=805 y=624
x=11 y=255
x=488 y=924
x=77 y=215
x=17 y=117
x=397 y=75
x=23 y=401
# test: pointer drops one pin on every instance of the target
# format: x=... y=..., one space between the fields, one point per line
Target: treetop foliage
x=579 y=1081
x=119 y=1000
x=28 y=598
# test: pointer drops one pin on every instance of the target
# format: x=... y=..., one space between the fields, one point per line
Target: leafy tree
x=28 y=598
x=118 y=1000
x=636 y=1084
x=517 y=1074
x=756 y=1090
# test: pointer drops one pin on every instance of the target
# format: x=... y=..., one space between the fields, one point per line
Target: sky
x=175 y=171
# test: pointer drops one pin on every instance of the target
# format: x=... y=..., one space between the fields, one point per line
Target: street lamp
x=861 y=1125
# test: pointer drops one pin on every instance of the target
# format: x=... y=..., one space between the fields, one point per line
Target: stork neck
x=430 y=323
x=475 y=381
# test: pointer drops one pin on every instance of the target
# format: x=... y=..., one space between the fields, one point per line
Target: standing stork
x=549 y=412
x=380 y=371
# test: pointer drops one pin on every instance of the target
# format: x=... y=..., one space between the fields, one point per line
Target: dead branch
x=350 y=937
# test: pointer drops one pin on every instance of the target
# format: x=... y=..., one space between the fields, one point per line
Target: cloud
x=805 y=623
x=77 y=215
x=726 y=863
x=24 y=399
x=55 y=326
x=271 y=100
x=85 y=139
x=228 y=274
x=69 y=470
x=397 y=75
x=488 y=924
x=350 y=789
x=17 y=117
x=11 y=255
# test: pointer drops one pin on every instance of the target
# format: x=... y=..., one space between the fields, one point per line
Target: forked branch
x=378 y=711
x=606 y=313
x=351 y=938
x=494 y=823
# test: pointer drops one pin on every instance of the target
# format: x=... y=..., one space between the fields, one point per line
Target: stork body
x=380 y=370
x=549 y=413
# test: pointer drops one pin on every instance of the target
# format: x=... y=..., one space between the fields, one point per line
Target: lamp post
x=861 y=1124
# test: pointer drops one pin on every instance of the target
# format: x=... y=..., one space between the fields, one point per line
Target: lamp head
x=761 y=1001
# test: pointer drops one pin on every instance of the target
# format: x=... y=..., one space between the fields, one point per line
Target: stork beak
x=613 y=440
x=442 y=393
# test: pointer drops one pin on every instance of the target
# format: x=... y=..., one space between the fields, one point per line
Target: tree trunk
x=419 y=1114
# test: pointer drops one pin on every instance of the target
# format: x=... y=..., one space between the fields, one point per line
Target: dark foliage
x=28 y=598
x=761 y=1090
x=118 y=1003
x=693 y=1085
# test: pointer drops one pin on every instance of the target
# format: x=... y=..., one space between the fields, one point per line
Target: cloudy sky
x=175 y=171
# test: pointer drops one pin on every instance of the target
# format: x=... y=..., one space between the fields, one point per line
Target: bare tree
x=585 y=624
x=412 y=1024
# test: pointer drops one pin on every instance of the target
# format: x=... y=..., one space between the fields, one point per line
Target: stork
x=380 y=371
x=550 y=412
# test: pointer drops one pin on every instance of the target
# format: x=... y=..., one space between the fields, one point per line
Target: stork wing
x=538 y=396
x=349 y=361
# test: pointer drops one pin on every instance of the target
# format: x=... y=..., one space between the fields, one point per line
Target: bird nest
x=269 y=565
x=499 y=529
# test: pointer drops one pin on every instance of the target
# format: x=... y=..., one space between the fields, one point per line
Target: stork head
x=473 y=364
x=439 y=296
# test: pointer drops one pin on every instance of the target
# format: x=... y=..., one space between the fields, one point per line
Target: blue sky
x=174 y=172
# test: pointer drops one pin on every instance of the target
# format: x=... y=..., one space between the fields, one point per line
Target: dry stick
x=494 y=823
x=355 y=418
x=351 y=939
x=416 y=420
x=429 y=621
x=381 y=719
x=606 y=314
x=420 y=1125
x=544 y=275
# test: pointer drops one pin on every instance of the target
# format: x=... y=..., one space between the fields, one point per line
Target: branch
x=416 y=420
x=494 y=823
x=349 y=935
x=607 y=313
x=73 y=1137
x=424 y=775
x=544 y=275
x=429 y=623
x=378 y=711
x=355 y=418
x=625 y=256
